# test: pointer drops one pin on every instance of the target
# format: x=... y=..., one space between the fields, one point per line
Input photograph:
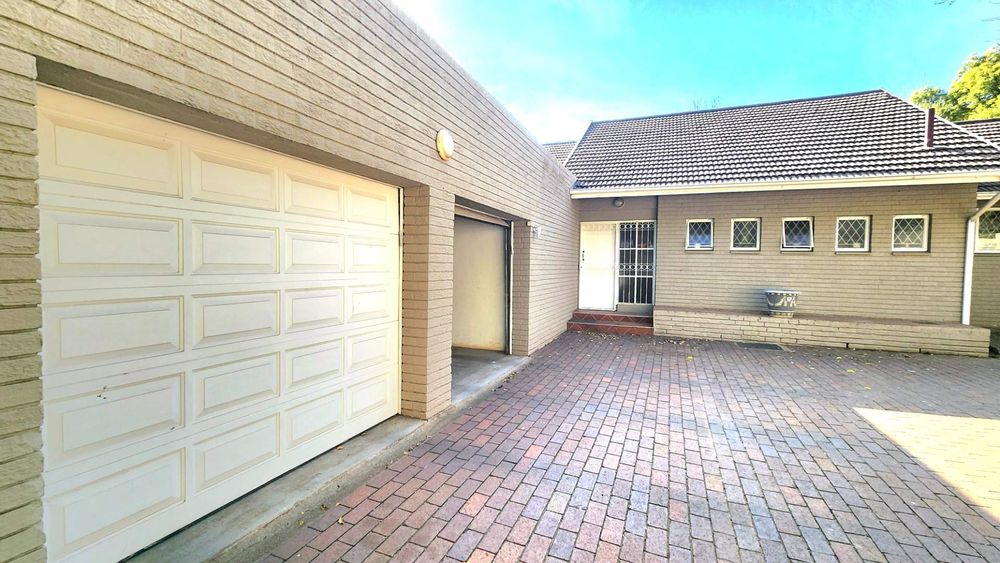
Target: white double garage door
x=214 y=314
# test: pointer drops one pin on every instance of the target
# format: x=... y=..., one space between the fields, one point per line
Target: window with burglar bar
x=909 y=233
x=636 y=247
x=746 y=234
x=988 y=232
x=852 y=234
x=797 y=233
x=699 y=234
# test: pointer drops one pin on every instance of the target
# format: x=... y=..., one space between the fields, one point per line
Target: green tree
x=975 y=93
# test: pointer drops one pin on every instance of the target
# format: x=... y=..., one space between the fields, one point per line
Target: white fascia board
x=822 y=184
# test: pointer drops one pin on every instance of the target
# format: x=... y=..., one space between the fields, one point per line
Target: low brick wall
x=815 y=330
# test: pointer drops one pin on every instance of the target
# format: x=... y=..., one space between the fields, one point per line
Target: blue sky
x=559 y=64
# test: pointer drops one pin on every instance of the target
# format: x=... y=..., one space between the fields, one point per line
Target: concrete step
x=609 y=327
x=584 y=315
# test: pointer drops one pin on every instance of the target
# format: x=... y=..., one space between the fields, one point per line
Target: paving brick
x=623 y=448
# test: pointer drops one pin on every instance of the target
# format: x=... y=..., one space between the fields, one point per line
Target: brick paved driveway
x=639 y=448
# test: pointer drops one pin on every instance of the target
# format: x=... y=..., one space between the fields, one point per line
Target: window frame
x=925 y=239
x=732 y=235
x=868 y=233
x=980 y=250
x=711 y=236
x=812 y=235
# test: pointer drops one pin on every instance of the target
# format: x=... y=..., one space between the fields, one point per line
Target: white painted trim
x=985 y=196
x=924 y=238
x=732 y=234
x=851 y=182
x=868 y=233
x=812 y=235
x=711 y=236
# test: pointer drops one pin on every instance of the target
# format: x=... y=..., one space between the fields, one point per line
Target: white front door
x=597 y=265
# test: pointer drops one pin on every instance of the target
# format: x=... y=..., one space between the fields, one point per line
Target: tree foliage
x=975 y=93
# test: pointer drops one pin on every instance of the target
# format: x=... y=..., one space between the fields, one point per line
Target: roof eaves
x=745 y=106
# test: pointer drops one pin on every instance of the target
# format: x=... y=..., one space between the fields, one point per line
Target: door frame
x=617 y=261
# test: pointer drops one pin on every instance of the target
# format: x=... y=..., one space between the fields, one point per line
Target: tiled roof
x=560 y=150
x=988 y=129
x=867 y=134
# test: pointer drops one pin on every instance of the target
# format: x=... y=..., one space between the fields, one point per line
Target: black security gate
x=636 y=247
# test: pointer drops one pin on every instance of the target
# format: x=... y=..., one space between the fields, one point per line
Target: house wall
x=923 y=286
x=986 y=290
x=602 y=209
x=351 y=84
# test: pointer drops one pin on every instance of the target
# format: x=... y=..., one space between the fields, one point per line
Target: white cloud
x=431 y=15
x=566 y=119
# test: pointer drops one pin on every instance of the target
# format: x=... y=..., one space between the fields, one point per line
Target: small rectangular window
x=853 y=234
x=797 y=233
x=909 y=233
x=988 y=232
x=746 y=234
x=699 y=234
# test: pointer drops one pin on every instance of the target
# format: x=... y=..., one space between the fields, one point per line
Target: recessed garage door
x=214 y=314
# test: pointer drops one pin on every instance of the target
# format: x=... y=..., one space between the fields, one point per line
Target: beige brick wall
x=839 y=332
x=351 y=83
x=603 y=209
x=20 y=387
x=428 y=231
x=877 y=284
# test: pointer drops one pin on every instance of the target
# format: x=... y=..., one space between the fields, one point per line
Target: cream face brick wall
x=351 y=80
x=20 y=387
x=877 y=284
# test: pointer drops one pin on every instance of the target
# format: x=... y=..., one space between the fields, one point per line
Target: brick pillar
x=520 y=288
x=20 y=317
x=428 y=233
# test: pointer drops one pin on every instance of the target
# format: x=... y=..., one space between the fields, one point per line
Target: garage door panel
x=368 y=349
x=109 y=244
x=313 y=364
x=88 y=334
x=314 y=418
x=108 y=417
x=198 y=345
x=237 y=317
x=311 y=252
x=89 y=151
x=228 y=454
x=233 y=249
x=222 y=179
x=233 y=385
x=373 y=206
x=368 y=395
x=311 y=196
x=370 y=302
x=372 y=255
x=98 y=508
x=307 y=309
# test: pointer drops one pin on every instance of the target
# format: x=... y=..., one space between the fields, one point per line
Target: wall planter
x=781 y=302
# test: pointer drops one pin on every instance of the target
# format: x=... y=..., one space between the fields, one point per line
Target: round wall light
x=618 y=202
x=445 y=144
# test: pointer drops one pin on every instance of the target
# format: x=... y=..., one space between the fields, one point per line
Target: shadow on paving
x=643 y=448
